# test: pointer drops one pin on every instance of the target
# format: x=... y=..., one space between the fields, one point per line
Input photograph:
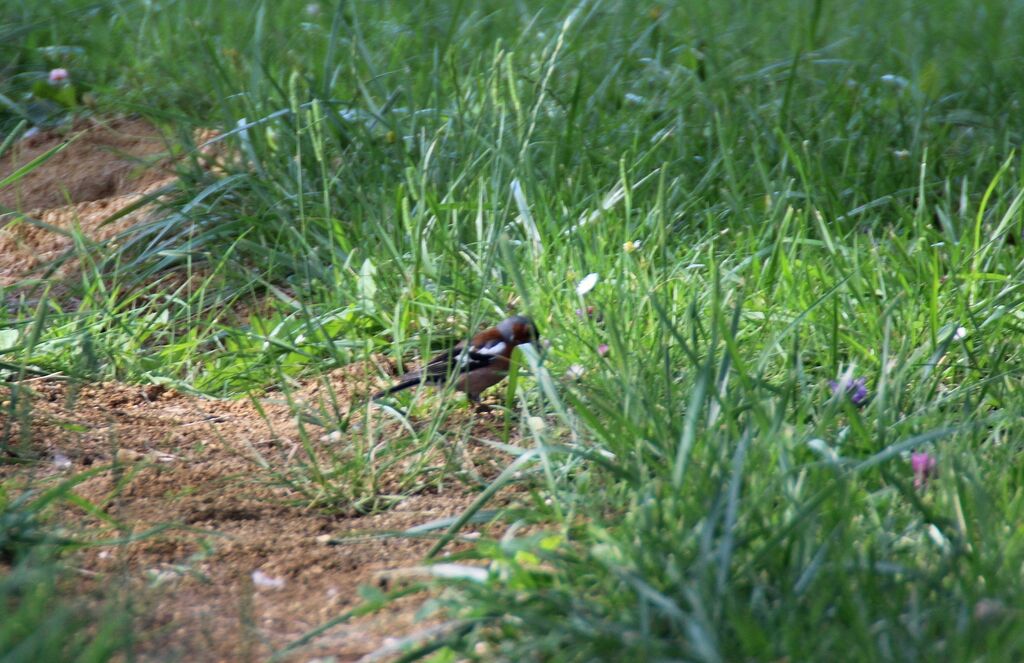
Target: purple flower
x=924 y=466
x=602 y=350
x=58 y=76
x=856 y=389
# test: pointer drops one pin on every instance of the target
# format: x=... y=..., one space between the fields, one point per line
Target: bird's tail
x=404 y=384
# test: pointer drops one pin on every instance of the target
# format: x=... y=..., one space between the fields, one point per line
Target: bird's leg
x=480 y=408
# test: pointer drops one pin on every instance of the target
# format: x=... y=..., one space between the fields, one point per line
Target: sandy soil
x=195 y=464
x=243 y=568
x=108 y=167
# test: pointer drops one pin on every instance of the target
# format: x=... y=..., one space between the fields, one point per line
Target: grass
x=42 y=621
x=816 y=188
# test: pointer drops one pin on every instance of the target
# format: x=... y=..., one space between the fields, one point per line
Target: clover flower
x=923 y=465
x=855 y=388
x=59 y=76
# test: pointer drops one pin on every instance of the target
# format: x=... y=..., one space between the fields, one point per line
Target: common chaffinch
x=482 y=363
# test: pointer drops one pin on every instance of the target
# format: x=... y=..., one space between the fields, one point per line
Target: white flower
x=575 y=372
x=586 y=284
x=961 y=333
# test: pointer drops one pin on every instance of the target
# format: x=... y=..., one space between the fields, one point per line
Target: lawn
x=775 y=252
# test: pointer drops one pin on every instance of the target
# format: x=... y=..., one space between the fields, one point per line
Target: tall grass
x=772 y=197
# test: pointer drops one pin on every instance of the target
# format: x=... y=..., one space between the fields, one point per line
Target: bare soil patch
x=108 y=158
x=191 y=462
x=109 y=167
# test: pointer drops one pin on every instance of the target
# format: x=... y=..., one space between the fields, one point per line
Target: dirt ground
x=108 y=166
x=243 y=567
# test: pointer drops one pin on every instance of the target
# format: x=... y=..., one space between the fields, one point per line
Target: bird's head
x=518 y=329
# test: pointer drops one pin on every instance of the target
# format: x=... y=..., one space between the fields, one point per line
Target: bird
x=474 y=366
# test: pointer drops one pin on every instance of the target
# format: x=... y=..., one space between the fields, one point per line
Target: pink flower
x=602 y=350
x=924 y=466
x=58 y=76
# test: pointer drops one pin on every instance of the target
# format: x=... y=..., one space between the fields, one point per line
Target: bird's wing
x=462 y=359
